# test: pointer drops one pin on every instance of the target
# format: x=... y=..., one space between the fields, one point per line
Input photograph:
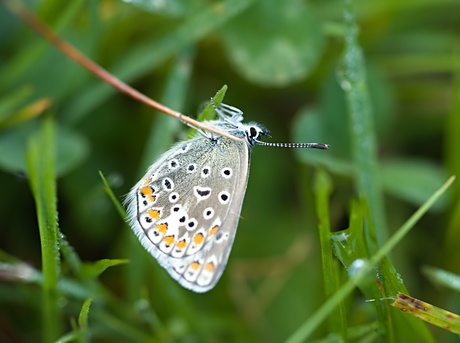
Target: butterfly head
x=254 y=131
x=231 y=121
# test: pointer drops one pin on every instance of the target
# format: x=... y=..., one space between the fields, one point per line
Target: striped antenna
x=295 y=145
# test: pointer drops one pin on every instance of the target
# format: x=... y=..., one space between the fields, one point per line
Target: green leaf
x=275 y=43
x=71 y=148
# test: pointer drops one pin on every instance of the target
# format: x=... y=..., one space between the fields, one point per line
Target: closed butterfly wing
x=185 y=210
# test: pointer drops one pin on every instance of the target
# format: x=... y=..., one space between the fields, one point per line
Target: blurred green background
x=391 y=113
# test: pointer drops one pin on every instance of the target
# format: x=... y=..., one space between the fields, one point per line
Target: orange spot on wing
x=147 y=192
x=162 y=228
x=181 y=244
x=169 y=240
x=210 y=267
x=155 y=214
x=147 y=181
x=195 y=265
x=198 y=239
x=213 y=230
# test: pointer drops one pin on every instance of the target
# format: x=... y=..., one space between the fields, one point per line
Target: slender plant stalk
x=42 y=175
x=361 y=126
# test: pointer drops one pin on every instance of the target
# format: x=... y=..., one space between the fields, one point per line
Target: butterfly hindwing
x=185 y=209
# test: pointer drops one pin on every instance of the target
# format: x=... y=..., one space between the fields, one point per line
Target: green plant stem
x=331 y=273
x=41 y=170
x=361 y=126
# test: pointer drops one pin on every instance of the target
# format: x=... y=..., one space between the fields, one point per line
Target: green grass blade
x=306 y=329
x=361 y=126
x=41 y=171
x=119 y=207
x=331 y=270
x=442 y=278
x=83 y=334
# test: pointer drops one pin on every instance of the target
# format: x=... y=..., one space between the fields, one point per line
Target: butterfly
x=185 y=210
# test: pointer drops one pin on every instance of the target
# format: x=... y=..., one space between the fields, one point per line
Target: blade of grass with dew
x=307 y=328
x=428 y=313
x=69 y=254
x=331 y=272
x=41 y=156
x=350 y=247
x=83 y=333
x=361 y=126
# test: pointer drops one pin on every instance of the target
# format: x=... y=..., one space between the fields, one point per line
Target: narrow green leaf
x=41 y=157
x=442 y=278
x=331 y=271
x=361 y=126
x=428 y=313
x=68 y=337
x=83 y=333
x=112 y=196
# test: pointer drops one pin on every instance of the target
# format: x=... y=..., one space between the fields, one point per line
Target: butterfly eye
x=253 y=132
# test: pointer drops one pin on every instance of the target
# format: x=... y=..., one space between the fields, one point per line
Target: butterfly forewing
x=185 y=210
